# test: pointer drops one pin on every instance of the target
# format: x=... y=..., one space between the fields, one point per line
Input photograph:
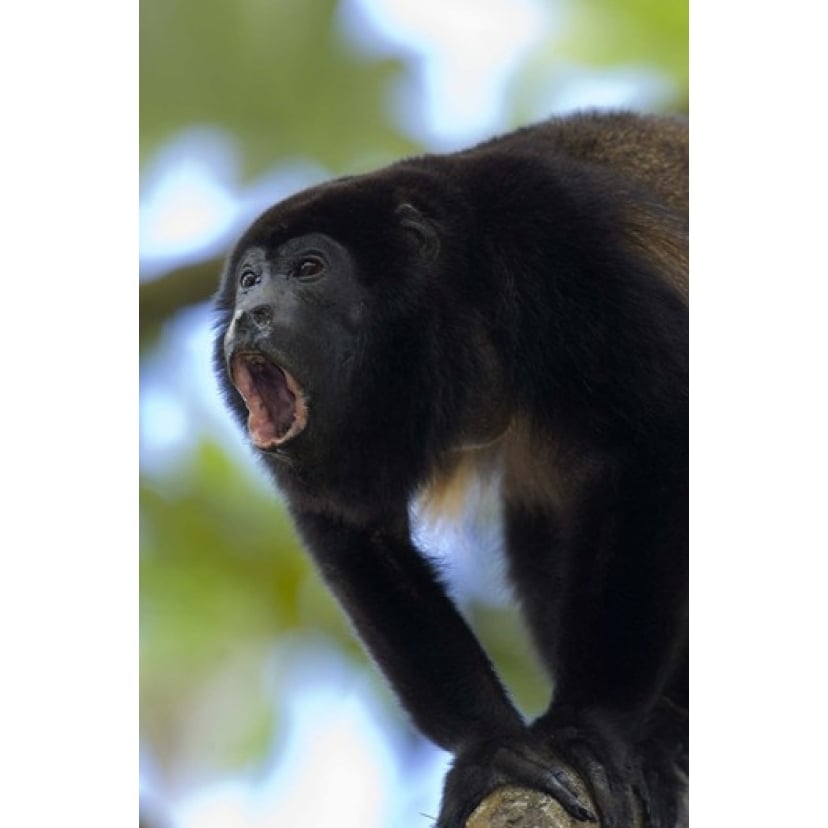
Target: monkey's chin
x=276 y=404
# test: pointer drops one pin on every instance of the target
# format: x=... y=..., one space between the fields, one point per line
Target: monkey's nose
x=258 y=319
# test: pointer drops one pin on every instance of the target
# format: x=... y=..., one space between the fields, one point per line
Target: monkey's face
x=291 y=339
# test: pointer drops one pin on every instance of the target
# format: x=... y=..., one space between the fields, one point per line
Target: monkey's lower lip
x=275 y=401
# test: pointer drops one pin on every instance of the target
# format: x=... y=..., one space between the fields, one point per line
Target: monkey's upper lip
x=274 y=399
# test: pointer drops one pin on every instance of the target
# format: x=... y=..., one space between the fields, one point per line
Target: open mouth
x=274 y=400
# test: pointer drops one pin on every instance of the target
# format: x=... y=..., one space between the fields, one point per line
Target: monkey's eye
x=310 y=267
x=248 y=279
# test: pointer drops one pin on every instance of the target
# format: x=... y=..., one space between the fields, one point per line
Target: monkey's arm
x=412 y=629
x=431 y=657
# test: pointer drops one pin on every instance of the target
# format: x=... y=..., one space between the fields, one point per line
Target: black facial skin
x=291 y=310
x=518 y=309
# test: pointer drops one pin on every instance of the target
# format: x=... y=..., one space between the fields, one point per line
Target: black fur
x=517 y=309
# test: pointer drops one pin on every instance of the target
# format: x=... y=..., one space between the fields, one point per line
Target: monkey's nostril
x=262 y=315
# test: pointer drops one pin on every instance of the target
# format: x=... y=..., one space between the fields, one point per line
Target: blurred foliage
x=275 y=73
x=213 y=594
x=222 y=576
x=632 y=32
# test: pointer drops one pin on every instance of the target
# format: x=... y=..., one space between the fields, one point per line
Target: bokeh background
x=257 y=706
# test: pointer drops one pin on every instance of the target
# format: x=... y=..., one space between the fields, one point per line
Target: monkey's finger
x=553 y=782
x=614 y=805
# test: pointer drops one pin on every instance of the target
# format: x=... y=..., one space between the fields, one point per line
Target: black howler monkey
x=518 y=309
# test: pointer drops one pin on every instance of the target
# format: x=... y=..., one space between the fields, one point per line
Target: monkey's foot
x=486 y=765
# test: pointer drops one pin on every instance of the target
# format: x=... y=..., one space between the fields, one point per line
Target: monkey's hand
x=517 y=759
x=631 y=781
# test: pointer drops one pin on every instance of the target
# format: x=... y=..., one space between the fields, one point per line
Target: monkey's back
x=644 y=158
x=648 y=149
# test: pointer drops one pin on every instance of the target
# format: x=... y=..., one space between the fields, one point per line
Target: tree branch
x=160 y=299
x=514 y=807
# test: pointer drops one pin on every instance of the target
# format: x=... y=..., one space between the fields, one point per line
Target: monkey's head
x=343 y=344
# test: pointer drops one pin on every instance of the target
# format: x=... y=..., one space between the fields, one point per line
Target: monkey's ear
x=421 y=230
